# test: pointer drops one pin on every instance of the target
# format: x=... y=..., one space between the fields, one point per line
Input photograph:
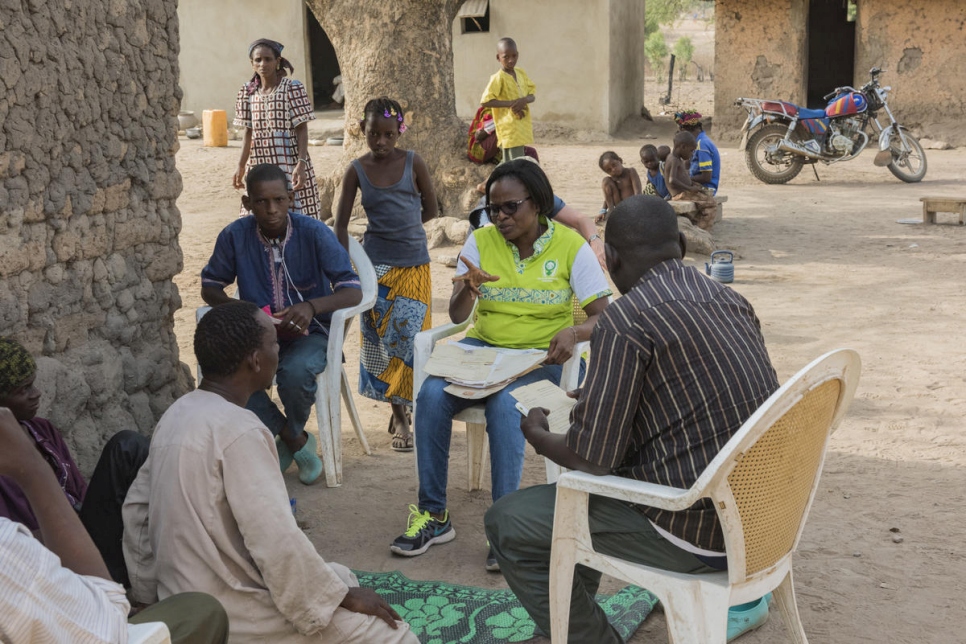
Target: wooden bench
x=684 y=207
x=932 y=205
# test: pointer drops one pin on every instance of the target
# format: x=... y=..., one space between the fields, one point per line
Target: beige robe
x=209 y=512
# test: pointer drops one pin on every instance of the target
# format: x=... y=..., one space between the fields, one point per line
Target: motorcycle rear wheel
x=766 y=162
x=911 y=167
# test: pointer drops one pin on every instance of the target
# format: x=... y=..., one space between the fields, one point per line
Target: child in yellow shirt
x=508 y=94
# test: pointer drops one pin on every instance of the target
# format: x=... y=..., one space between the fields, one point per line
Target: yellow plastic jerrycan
x=214 y=125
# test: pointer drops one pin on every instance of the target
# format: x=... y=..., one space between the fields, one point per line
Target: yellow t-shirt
x=511 y=131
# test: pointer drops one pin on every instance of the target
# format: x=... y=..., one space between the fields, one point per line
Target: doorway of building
x=831 y=47
x=325 y=65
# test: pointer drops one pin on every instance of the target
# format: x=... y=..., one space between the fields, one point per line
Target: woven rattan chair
x=762 y=484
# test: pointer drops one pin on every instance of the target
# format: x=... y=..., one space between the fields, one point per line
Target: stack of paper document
x=549 y=396
x=477 y=372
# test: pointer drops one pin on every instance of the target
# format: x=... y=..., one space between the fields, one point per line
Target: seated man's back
x=209 y=512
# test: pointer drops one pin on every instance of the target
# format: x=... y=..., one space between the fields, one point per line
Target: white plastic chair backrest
x=366 y=272
x=764 y=480
x=339 y=324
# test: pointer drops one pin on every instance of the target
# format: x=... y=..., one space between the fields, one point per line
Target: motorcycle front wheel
x=907 y=166
x=766 y=161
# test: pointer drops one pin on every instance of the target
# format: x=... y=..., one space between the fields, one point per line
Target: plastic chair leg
x=788 y=606
x=697 y=612
x=350 y=406
x=476 y=448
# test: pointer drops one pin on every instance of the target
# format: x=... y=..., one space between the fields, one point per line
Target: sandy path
x=825 y=265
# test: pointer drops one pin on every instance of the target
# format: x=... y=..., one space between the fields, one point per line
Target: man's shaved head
x=642 y=231
x=642 y=221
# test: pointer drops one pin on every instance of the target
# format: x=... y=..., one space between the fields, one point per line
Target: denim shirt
x=309 y=262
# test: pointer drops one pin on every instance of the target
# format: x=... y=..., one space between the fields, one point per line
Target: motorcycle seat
x=804 y=113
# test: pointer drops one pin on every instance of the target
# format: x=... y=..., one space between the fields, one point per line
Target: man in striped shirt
x=679 y=363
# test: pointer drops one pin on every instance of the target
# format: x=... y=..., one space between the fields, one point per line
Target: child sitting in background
x=663 y=152
x=619 y=184
x=655 y=180
x=677 y=176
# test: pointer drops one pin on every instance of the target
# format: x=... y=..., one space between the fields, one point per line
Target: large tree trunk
x=402 y=49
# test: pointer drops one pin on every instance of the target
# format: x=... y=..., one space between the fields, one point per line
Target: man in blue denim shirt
x=295 y=266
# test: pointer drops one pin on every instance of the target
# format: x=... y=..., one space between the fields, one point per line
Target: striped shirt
x=679 y=363
x=42 y=602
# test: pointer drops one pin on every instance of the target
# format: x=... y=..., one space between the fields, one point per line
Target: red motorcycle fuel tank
x=846 y=105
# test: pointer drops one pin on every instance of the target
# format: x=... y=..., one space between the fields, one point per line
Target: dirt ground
x=825 y=265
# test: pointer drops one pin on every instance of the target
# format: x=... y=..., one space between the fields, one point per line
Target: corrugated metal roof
x=473 y=9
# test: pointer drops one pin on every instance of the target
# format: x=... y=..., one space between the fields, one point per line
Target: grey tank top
x=395 y=234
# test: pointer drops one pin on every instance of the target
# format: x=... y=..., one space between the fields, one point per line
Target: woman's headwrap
x=16 y=365
x=687 y=118
x=283 y=63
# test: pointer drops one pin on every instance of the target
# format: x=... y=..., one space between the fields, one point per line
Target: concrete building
x=213 y=68
x=799 y=50
x=585 y=56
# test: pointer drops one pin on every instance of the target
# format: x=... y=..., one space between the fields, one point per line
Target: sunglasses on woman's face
x=508 y=208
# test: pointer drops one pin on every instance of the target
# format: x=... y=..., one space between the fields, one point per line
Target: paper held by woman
x=477 y=372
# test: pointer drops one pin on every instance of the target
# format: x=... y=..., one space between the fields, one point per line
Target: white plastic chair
x=148 y=633
x=762 y=484
x=332 y=381
x=475 y=416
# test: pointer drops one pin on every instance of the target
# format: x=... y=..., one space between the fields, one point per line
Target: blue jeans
x=434 y=429
x=299 y=362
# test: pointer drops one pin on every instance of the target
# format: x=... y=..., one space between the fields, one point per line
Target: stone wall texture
x=88 y=222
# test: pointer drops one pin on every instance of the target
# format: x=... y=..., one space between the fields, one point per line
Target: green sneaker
x=310 y=465
x=424 y=531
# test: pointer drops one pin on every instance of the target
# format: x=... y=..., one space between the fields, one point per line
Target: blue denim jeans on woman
x=435 y=409
x=299 y=362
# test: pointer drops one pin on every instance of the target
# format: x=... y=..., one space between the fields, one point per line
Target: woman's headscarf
x=16 y=365
x=284 y=66
x=687 y=118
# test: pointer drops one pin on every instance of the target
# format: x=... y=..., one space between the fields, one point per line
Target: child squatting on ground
x=677 y=175
x=398 y=197
x=508 y=94
x=620 y=183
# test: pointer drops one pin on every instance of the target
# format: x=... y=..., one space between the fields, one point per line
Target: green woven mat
x=441 y=613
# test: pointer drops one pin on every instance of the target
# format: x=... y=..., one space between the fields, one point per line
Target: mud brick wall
x=88 y=222
x=760 y=51
x=921 y=47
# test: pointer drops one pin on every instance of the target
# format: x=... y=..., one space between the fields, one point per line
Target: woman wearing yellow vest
x=525 y=271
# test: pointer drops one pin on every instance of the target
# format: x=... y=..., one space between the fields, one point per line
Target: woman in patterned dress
x=275 y=111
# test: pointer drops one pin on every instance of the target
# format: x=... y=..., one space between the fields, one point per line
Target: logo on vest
x=550 y=268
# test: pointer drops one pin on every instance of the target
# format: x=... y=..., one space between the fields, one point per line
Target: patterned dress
x=272 y=118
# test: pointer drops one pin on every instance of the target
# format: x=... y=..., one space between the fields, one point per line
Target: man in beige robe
x=209 y=510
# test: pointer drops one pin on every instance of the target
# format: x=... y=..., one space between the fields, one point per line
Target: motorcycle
x=779 y=137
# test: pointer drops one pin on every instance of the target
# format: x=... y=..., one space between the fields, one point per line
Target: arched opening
x=326 y=93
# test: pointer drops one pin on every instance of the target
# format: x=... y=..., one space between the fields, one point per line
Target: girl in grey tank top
x=398 y=197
